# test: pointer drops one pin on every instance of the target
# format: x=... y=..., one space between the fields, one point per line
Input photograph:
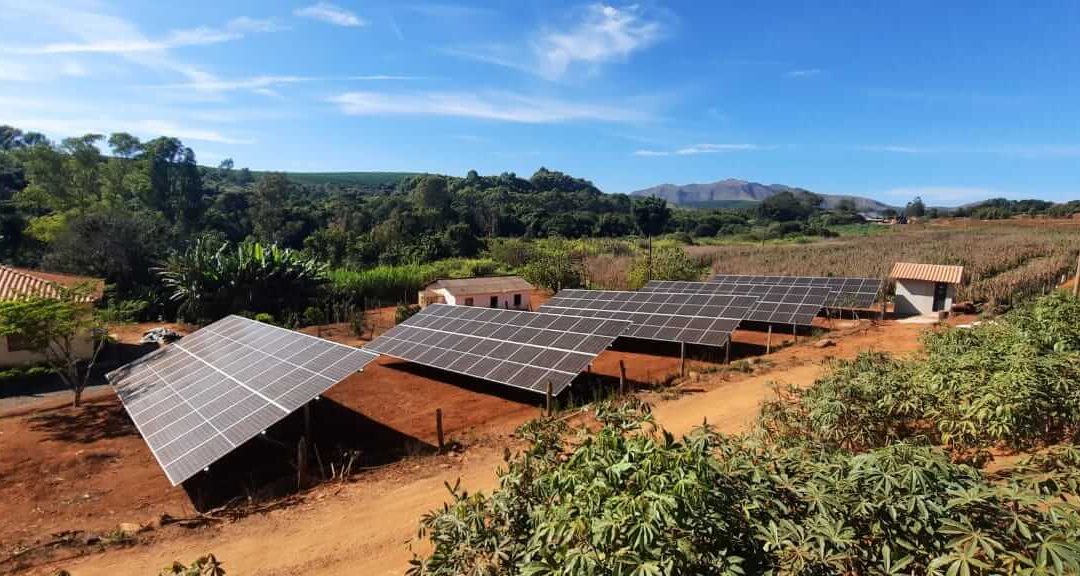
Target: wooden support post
x=768 y=341
x=548 y=399
x=307 y=420
x=438 y=428
x=682 y=358
x=301 y=463
x=622 y=378
x=1076 y=281
x=727 y=351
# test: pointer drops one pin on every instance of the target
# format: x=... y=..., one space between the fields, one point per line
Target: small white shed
x=923 y=289
x=508 y=292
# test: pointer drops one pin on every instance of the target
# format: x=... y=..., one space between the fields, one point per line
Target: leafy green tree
x=56 y=328
x=118 y=246
x=788 y=206
x=652 y=215
x=669 y=262
x=555 y=266
x=268 y=207
x=915 y=208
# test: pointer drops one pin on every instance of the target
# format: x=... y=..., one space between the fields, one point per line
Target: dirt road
x=367 y=527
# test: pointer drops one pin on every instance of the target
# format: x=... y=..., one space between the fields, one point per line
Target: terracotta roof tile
x=18 y=283
x=927 y=272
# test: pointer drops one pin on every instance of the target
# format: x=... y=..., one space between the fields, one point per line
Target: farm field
x=1004 y=260
x=376 y=516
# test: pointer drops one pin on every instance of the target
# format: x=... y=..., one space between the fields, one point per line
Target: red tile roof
x=18 y=283
x=927 y=272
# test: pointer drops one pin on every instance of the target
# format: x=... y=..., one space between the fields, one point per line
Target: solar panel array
x=691 y=318
x=846 y=292
x=197 y=399
x=526 y=350
x=797 y=305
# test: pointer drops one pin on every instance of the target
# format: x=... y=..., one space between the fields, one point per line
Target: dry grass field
x=1003 y=260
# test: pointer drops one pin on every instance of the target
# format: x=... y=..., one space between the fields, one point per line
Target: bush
x=404 y=312
x=669 y=262
x=1013 y=382
x=626 y=500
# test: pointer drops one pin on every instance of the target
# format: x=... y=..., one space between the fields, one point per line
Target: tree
x=787 y=206
x=55 y=328
x=113 y=244
x=915 y=208
x=268 y=207
x=651 y=215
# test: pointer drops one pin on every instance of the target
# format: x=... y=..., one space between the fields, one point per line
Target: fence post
x=622 y=378
x=438 y=428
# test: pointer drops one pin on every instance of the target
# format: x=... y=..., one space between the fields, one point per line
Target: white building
x=509 y=292
x=923 y=289
x=17 y=284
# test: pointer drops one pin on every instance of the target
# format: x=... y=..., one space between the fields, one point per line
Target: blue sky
x=955 y=101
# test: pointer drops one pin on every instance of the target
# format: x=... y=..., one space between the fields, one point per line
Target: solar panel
x=692 y=318
x=197 y=399
x=526 y=350
x=846 y=292
x=797 y=305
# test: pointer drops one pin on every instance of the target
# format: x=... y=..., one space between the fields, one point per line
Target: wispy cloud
x=696 y=149
x=803 y=72
x=331 y=14
x=497 y=106
x=601 y=34
x=233 y=30
x=606 y=33
x=383 y=77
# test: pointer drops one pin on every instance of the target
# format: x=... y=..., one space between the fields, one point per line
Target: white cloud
x=940 y=195
x=331 y=14
x=132 y=42
x=499 y=106
x=254 y=83
x=696 y=149
x=605 y=34
x=602 y=34
x=803 y=72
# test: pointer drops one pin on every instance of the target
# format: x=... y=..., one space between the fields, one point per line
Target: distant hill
x=732 y=193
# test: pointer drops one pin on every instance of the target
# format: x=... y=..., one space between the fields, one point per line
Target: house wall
x=83 y=346
x=916 y=297
x=483 y=300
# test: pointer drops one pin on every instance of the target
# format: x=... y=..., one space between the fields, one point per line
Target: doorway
x=941 y=291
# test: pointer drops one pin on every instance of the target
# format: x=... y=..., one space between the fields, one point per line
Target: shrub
x=404 y=312
x=626 y=500
x=668 y=262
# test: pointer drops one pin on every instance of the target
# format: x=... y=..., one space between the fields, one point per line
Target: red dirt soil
x=66 y=469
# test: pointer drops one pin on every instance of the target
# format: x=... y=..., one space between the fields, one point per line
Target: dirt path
x=367 y=527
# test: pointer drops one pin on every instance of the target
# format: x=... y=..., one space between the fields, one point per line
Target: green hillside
x=366 y=179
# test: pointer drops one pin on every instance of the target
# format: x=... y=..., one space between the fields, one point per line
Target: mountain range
x=732 y=193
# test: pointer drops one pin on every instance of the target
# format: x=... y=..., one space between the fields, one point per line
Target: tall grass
x=387 y=285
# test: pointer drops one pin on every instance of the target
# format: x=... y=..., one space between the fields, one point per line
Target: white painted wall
x=8 y=358
x=481 y=300
x=916 y=298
